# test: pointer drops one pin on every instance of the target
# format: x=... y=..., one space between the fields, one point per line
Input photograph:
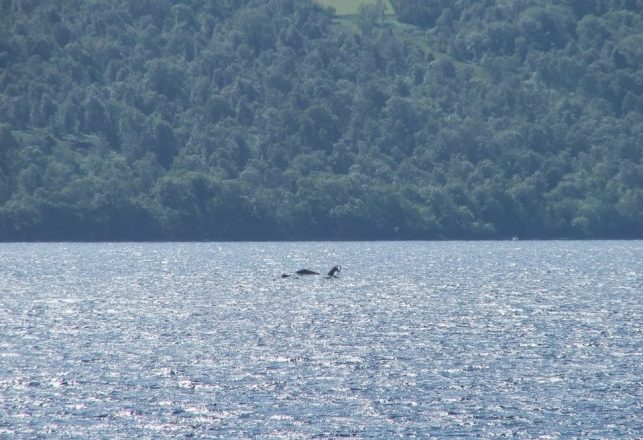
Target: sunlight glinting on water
x=455 y=339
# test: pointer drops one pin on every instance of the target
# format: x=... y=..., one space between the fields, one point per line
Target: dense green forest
x=278 y=119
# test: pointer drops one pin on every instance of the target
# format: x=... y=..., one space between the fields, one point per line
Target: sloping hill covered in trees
x=272 y=119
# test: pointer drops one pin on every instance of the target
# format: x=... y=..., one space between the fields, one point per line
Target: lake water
x=417 y=339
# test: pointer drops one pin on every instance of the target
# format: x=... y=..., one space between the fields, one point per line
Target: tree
x=243 y=119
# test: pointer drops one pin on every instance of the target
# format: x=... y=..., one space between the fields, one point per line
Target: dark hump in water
x=306 y=272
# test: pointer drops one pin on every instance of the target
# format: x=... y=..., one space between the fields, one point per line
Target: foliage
x=271 y=119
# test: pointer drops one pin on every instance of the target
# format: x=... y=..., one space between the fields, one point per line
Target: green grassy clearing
x=349 y=7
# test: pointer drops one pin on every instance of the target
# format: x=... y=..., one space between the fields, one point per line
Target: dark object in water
x=306 y=272
x=334 y=270
x=331 y=273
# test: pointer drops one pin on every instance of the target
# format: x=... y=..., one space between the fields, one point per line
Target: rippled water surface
x=454 y=339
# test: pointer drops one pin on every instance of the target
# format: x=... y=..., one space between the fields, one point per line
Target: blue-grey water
x=413 y=340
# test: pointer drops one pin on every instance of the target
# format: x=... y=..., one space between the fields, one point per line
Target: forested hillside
x=277 y=119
